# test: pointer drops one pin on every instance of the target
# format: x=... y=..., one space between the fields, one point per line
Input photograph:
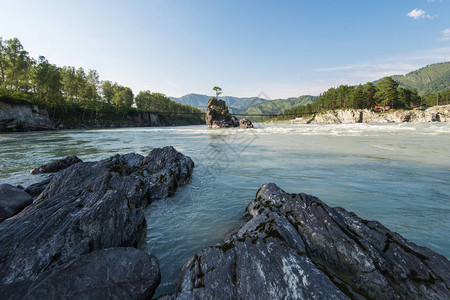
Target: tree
x=387 y=91
x=358 y=97
x=2 y=62
x=369 y=94
x=218 y=91
x=17 y=64
x=46 y=79
x=123 y=98
x=108 y=89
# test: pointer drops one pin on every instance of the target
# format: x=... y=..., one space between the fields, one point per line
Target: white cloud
x=445 y=35
x=417 y=14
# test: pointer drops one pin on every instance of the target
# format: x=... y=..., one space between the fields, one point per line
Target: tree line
x=386 y=94
x=65 y=88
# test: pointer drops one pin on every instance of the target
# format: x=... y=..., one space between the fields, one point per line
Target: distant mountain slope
x=277 y=106
x=430 y=79
x=247 y=105
x=201 y=101
x=196 y=100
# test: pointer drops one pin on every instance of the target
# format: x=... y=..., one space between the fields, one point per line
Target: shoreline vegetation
x=72 y=97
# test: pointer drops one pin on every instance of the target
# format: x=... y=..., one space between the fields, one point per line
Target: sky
x=278 y=49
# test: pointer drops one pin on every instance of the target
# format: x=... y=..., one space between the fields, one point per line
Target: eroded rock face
x=294 y=246
x=86 y=207
x=218 y=116
x=119 y=273
x=432 y=114
x=23 y=118
x=12 y=201
x=57 y=165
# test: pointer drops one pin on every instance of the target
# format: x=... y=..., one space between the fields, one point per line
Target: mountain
x=247 y=105
x=196 y=100
x=430 y=79
x=277 y=106
x=233 y=103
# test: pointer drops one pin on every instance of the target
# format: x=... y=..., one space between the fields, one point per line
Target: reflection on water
x=394 y=173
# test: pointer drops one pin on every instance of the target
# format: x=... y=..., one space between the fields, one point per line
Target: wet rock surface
x=120 y=273
x=86 y=207
x=294 y=246
x=12 y=200
x=57 y=165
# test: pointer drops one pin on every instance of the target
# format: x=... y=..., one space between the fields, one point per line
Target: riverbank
x=21 y=116
x=349 y=116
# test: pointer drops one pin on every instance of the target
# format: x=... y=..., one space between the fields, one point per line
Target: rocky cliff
x=432 y=114
x=23 y=118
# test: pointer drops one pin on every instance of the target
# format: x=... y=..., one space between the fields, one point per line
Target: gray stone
x=294 y=246
x=87 y=207
x=12 y=200
x=218 y=116
x=36 y=189
x=23 y=118
x=245 y=123
x=119 y=273
x=57 y=165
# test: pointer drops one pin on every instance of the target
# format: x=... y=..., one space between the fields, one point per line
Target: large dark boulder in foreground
x=57 y=165
x=120 y=273
x=218 y=116
x=294 y=246
x=12 y=200
x=87 y=207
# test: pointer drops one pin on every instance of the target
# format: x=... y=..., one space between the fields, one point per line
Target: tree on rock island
x=218 y=91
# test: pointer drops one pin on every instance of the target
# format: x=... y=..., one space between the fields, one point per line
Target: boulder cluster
x=218 y=116
x=79 y=238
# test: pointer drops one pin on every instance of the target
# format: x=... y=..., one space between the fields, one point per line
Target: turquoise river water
x=398 y=174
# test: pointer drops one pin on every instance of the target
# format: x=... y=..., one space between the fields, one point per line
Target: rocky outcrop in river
x=294 y=246
x=87 y=207
x=432 y=114
x=218 y=116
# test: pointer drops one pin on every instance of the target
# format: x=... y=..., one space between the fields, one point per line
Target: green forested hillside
x=277 y=106
x=430 y=79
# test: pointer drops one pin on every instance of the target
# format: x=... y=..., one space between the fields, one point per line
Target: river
x=398 y=174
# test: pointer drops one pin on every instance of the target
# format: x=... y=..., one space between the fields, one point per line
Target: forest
x=386 y=94
x=74 y=94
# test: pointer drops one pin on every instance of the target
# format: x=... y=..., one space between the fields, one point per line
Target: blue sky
x=281 y=48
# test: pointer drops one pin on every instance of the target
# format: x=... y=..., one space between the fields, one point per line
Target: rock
x=57 y=165
x=120 y=273
x=294 y=246
x=36 y=189
x=218 y=116
x=23 y=118
x=86 y=207
x=12 y=200
x=141 y=179
x=432 y=114
x=245 y=123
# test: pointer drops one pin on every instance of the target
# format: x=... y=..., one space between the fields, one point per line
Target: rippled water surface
x=398 y=174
